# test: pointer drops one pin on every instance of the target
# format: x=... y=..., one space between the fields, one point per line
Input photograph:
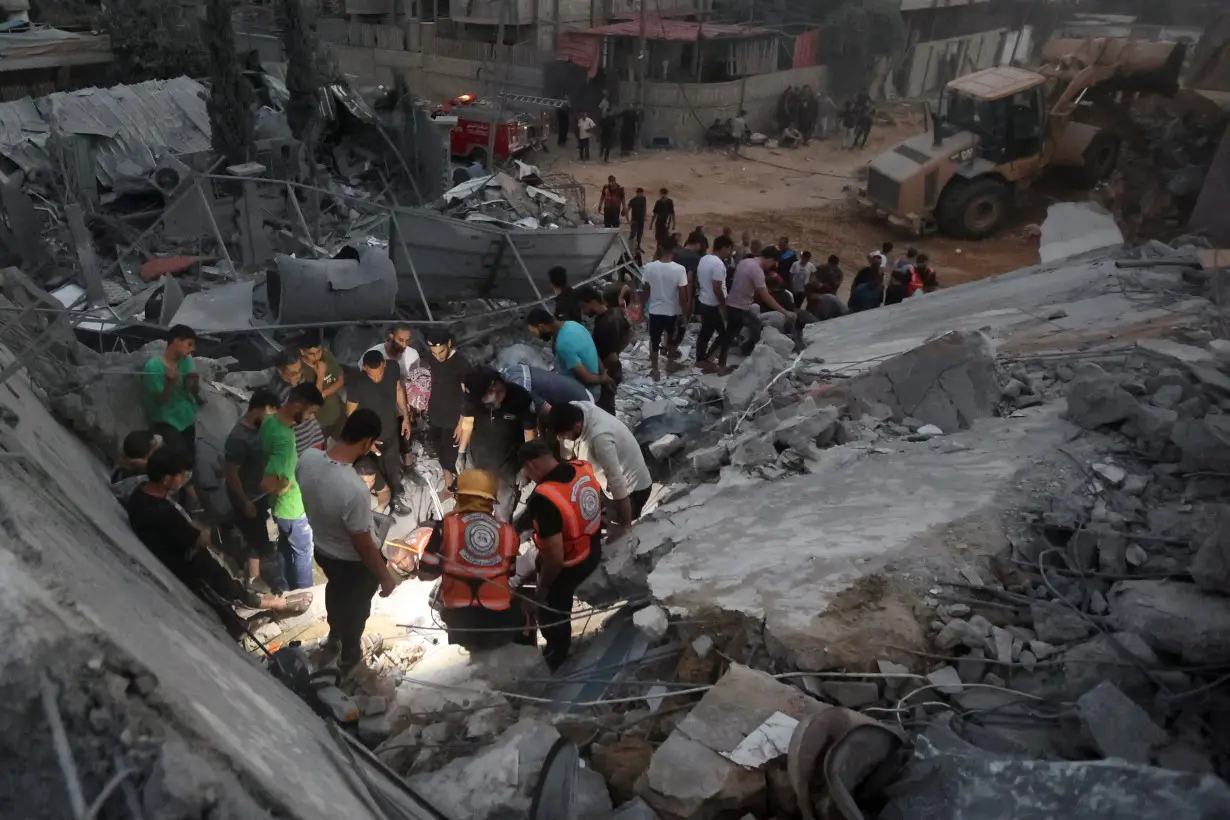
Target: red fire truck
x=516 y=131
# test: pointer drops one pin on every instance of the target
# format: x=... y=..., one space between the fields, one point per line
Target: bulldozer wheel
x=973 y=210
x=1101 y=156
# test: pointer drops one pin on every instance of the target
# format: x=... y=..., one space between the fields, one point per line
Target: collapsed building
x=970 y=545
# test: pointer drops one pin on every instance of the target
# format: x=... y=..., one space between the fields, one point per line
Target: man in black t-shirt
x=376 y=387
x=612 y=332
x=560 y=570
x=663 y=217
x=636 y=219
x=167 y=531
x=497 y=419
x=444 y=408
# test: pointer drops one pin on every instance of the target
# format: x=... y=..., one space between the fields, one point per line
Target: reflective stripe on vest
x=580 y=506
x=478 y=554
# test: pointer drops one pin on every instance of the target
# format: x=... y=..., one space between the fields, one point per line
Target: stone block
x=653 y=621
x=1116 y=726
x=666 y=446
x=1174 y=617
x=1095 y=401
x=1056 y=623
x=1108 y=658
x=752 y=376
x=1211 y=567
x=708 y=459
x=851 y=693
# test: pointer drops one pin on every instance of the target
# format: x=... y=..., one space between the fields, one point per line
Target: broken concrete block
x=802 y=432
x=930 y=431
x=1056 y=623
x=1167 y=396
x=651 y=408
x=1204 y=443
x=688 y=777
x=754 y=451
x=1178 y=353
x=946 y=680
x=954 y=779
x=896 y=675
x=708 y=459
x=1211 y=567
x=1002 y=639
x=851 y=693
x=1103 y=658
x=499 y=779
x=666 y=446
x=1112 y=474
x=1112 y=553
x=752 y=376
x=622 y=761
x=782 y=344
x=1136 y=556
x=1073 y=228
x=947 y=382
x=972 y=667
x=1097 y=603
x=1117 y=726
x=1095 y=401
x=957 y=632
x=1174 y=617
x=653 y=621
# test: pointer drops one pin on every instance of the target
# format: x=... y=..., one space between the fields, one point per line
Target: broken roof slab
x=789 y=555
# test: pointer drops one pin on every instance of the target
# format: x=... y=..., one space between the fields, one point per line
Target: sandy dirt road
x=797 y=193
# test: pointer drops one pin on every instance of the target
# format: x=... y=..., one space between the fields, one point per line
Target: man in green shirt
x=320 y=364
x=281 y=458
x=171 y=390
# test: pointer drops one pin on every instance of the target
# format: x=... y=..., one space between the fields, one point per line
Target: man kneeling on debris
x=474 y=556
x=182 y=546
x=565 y=511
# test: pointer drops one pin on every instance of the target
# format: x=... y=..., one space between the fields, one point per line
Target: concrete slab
x=785 y=554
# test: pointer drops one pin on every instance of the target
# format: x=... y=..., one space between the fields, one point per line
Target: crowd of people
x=323 y=449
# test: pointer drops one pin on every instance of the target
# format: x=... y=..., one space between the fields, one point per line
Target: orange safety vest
x=478 y=556
x=580 y=505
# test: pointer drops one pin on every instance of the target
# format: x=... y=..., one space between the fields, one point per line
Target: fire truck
x=516 y=131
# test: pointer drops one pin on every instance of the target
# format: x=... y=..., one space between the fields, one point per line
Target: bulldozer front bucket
x=1138 y=66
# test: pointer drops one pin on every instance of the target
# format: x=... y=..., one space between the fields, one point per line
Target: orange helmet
x=479 y=483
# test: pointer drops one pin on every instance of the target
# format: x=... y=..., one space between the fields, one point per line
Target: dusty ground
x=799 y=193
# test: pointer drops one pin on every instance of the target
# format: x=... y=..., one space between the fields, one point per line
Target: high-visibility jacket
x=580 y=505
x=477 y=558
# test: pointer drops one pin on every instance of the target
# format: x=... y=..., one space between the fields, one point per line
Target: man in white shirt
x=608 y=444
x=711 y=292
x=664 y=294
x=585 y=127
x=396 y=348
x=800 y=275
x=338 y=506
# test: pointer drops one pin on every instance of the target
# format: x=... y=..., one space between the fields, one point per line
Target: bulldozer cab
x=1004 y=107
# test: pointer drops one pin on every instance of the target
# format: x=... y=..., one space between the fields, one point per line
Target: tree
x=152 y=40
x=302 y=77
x=230 y=93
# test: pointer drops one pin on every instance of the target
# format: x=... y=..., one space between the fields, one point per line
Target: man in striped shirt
x=288 y=372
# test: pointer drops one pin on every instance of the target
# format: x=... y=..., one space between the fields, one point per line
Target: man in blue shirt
x=575 y=353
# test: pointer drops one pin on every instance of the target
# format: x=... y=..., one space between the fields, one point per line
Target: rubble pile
x=1162 y=165
x=526 y=202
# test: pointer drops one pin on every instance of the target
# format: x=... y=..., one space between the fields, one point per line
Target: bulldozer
x=995 y=131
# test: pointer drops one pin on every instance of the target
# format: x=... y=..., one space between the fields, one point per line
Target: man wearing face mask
x=167 y=531
x=498 y=418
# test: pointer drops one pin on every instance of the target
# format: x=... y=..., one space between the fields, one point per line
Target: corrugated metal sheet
x=128 y=126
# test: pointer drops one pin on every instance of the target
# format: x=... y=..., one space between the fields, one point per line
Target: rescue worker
x=565 y=511
x=474 y=555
